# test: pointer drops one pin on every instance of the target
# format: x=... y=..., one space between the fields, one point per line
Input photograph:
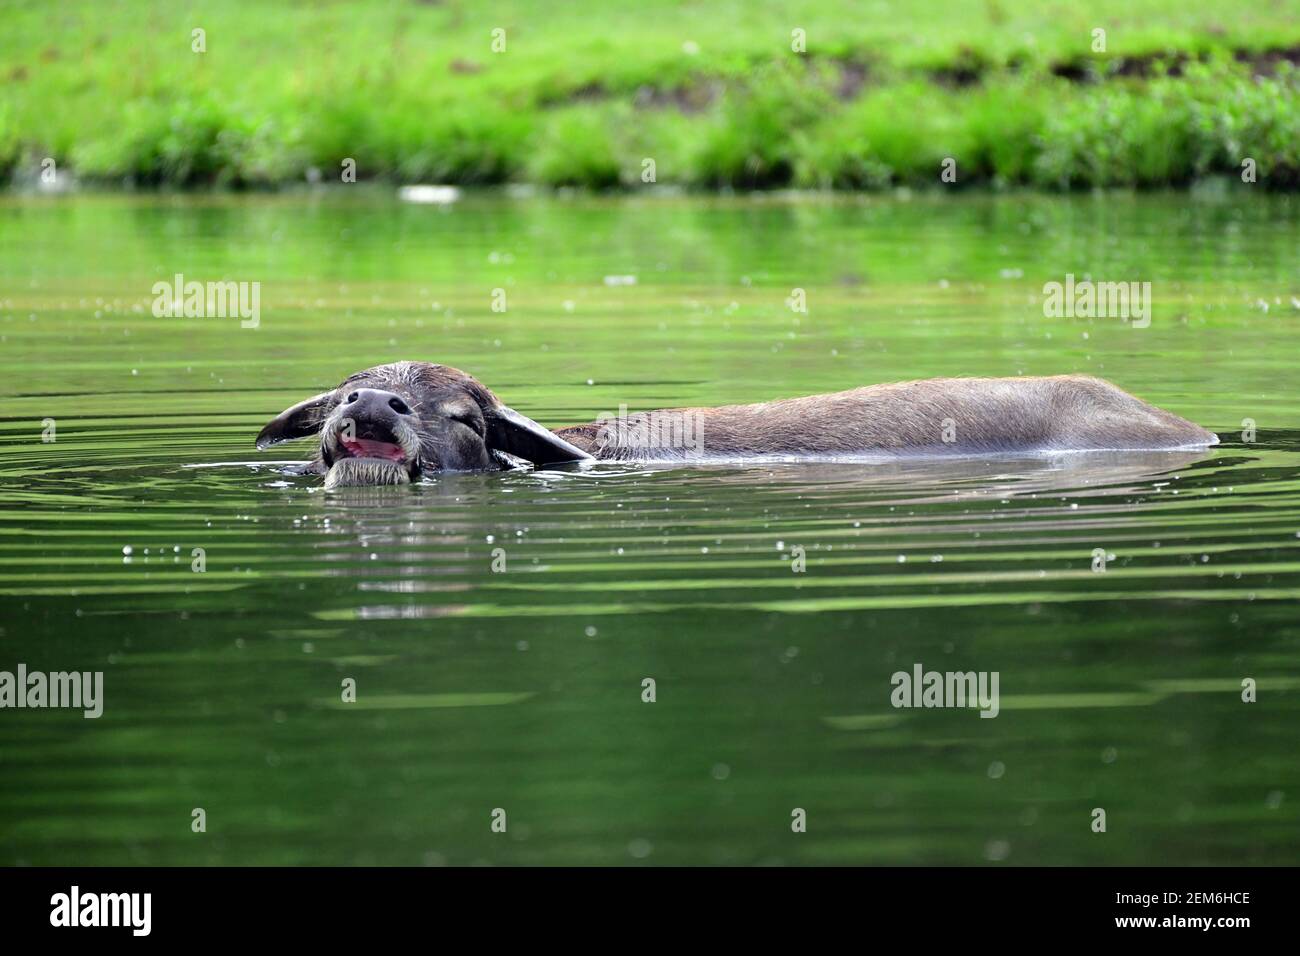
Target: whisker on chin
x=347 y=472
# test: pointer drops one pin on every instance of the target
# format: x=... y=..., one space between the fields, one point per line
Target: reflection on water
x=499 y=628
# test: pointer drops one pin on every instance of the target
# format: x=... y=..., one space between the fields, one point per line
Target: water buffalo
x=393 y=423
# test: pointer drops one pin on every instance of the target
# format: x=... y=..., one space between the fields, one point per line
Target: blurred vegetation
x=713 y=93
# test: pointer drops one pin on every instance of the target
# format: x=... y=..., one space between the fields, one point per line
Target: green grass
x=711 y=92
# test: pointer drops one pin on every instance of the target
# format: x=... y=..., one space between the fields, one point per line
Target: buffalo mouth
x=373 y=448
x=390 y=450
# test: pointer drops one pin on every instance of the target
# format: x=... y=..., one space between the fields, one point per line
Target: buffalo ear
x=522 y=437
x=297 y=421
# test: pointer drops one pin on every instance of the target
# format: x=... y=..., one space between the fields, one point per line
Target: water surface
x=521 y=688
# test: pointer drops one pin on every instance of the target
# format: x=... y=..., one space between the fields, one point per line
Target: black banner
x=978 y=906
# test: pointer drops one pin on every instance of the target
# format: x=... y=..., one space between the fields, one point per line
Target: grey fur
x=458 y=424
x=938 y=416
x=366 y=471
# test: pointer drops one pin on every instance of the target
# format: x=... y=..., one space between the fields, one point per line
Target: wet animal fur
x=938 y=416
x=933 y=417
x=366 y=471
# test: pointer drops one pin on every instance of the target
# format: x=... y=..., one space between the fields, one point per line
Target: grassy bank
x=713 y=93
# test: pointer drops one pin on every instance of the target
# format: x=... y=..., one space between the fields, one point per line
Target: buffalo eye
x=469 y=420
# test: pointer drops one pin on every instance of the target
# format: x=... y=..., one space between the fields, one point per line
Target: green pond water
x=521 y=690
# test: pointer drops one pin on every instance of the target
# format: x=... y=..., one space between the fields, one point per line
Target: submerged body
x=940 y=416
x=393 y=423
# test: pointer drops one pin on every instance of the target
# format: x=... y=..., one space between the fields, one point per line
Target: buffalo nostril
x=399 y=406
x=352 y=398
